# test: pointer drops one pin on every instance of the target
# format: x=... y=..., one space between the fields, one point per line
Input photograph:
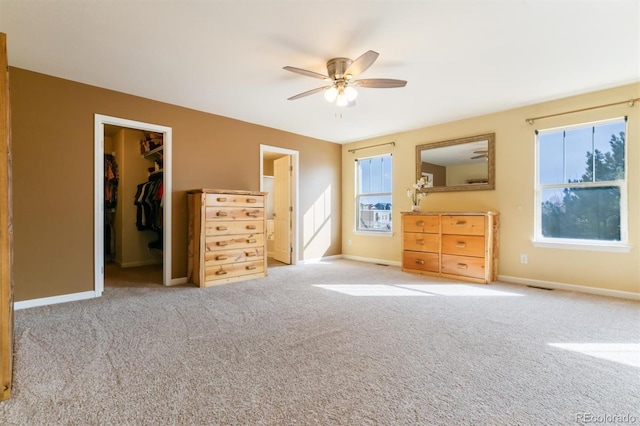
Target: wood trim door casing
x=6 y=229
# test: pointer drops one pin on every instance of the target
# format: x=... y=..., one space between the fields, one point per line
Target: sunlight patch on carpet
x=457 y=290
x=371 y=290
x=623 y=353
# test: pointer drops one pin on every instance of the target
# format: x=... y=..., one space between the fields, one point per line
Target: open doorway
x=132 y=211
x=279 y=178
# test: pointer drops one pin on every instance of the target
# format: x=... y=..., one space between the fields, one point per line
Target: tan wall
x=514 y=193
x=52 y=123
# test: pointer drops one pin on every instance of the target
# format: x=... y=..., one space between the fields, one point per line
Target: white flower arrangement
x=416 y=197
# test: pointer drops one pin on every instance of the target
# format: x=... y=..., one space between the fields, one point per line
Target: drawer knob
x=250 y=254
x=419 y=262
x=421 y=242
x=420 y=223
x=254 y=213
x=221 y=228
x=250 y=267
x=221 y=243
x=463 y=266
x=251 y=200
x=221 y=272
x=251 y=240
x=221 y=200
x=251 y=227
x=221 y=214
x=221 y=257
x=461 y=244
x=461 y=223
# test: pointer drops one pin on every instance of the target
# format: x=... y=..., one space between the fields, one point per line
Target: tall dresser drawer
x=234 y=213
x=233 y=241
x=221 y=257
x=465 y=245
x=463 y=225
x=230 y=228
x=234 y=200
x=231 y=270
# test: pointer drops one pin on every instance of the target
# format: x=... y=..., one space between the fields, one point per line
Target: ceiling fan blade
x=307 y=73
x=479 y=156
x=307 y=93
x=380 y=83
x=361 y=64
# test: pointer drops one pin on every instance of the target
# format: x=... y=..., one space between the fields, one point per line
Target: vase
x=415 y=208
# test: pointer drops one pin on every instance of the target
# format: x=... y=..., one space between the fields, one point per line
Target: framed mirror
x=464 y=164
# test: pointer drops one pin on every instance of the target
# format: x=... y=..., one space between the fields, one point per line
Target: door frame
x=98 y=209
x=294 y=191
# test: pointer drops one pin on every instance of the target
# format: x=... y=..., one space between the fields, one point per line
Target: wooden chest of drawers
x=226 y=236
x=462 y=246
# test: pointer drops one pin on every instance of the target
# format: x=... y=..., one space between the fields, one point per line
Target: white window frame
x=582 y=244
x=357 y=195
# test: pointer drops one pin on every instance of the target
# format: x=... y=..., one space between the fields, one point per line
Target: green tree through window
x=589 y=207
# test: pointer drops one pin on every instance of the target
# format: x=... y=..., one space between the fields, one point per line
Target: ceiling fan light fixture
x=331 y=94
x=342 y=99
x=351 y=93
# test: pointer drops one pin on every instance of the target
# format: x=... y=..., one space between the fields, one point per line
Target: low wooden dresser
x=460 y=245
x=226 y=236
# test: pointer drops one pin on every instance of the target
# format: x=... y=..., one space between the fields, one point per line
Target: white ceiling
x=461 y=58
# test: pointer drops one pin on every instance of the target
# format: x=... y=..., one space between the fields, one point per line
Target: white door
x=282 y=209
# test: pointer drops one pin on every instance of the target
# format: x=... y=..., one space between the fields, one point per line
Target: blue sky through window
x=562 y=161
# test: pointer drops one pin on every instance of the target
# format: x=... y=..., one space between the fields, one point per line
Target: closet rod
x=372 y=146
x=630 y=102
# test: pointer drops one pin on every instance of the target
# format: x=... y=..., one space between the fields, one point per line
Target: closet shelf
x=154 y=152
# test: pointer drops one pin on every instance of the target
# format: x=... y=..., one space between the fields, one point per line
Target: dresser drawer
x=234 y=200
x=234 y=227
x=221 y=272
x=463 y=225
x=420 y=261
x=221 y=257
x=463 y=265
x=465 y=245
x=233 y=213
x=421 y=242
x=227 y=242
x=415 y=223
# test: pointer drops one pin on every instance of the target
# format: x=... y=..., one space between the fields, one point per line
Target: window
x=581 y=193
x=373 y=194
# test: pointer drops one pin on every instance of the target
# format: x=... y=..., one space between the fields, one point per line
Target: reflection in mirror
x=464 y=164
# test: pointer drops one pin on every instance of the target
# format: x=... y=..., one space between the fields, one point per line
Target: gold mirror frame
x=490 y=181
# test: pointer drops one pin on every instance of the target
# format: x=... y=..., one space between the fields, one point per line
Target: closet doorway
x=279 y=178
x=132 y=215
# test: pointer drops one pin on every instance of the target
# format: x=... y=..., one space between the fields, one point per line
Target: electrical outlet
x=348 y=242
x=524 y=258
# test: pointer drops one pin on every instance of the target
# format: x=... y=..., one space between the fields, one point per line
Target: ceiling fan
x=480 y=154
x=342 y=73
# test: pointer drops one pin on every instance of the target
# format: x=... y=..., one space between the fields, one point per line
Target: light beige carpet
x=334 y=343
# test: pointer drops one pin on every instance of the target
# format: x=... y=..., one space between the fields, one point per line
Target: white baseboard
x=319 y=259
x=178 y=281
x=54 y=300
x=370 y=260
x=570 y=287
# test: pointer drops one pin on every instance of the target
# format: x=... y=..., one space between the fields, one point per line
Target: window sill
x=374 y=233
x=588 y=246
